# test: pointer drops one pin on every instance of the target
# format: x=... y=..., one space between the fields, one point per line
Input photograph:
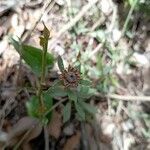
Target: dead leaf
x=54 y=127
x=26 y=146
x=73 y=142
x=21 y=127
x=35 y=132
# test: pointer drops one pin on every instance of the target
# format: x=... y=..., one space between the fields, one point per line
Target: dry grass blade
x=129 y=97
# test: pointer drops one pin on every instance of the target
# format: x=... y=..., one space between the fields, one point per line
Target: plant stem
x=46 y=138
x=42 y=79
x=44 y=63
x=128 y=17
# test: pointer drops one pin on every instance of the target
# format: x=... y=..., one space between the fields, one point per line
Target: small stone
x=60 y=2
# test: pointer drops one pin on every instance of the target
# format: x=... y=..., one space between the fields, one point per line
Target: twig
x=46 y=138
x=23 y=138
x=124 y=97
x=72 y=22
x=113 y=20
x=97 y=48
x=128 y=17
x=128 y=97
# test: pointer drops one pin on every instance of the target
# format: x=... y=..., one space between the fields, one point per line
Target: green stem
x=42 y=80
x=44 y=63
x=129 y=16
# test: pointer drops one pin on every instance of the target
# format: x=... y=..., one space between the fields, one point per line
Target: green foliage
x=32 y=106
x=100 y=35
x=57 y=90
x=40 y=106
x=80 y=111
x=107 y=78
x=85 y=91
x=39 y=61
x=85 y=82
x=141 y=6
x=88 y=108
x=77 y=96
x=72 y=94
x=67 y=112
x=134 y=2
x=36 y=110
x=33 y=56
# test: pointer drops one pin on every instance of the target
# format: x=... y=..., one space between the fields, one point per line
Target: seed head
x=70 y=77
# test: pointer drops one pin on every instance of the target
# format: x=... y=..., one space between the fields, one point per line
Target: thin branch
x=96 y=50
x=72 y=22
x=128 y=17
x=113 y=19
x=23 y=138
x=128 y=97
x=124 y=97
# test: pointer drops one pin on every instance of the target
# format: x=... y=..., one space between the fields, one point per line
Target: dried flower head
x=70 y=77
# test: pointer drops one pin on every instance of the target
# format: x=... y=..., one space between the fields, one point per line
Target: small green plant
x=69 y=85
x=107 y=79
x=77 y=90
x=40 y=61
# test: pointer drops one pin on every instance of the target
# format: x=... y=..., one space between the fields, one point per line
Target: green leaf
x=133 y=3
x=80 y=111
x=60 y=63
x=33 y=56
x=35 y=110
x=83 y=91
x=72 y=94
x=85 y=82
x=89 y=108
x=33 y=106
x=67 y=112
x=48 y=102
x=57 y=91
x=16 y=44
